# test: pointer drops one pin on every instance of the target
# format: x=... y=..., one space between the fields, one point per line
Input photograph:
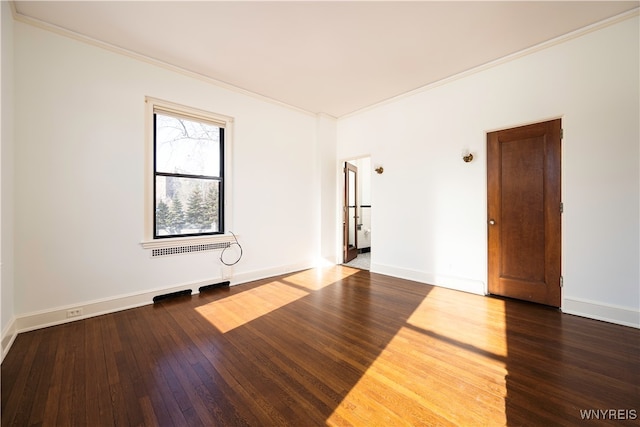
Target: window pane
x=187 y=147
x=187 y=206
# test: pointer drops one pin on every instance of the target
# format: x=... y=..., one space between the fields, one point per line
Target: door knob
x=492 y=222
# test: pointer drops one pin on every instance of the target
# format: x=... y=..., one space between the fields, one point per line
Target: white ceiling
x=323 y=57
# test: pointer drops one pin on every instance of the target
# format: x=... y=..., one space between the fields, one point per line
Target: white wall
x=6 y=177
x=430 y=206
x=79 y=168
x=326 y=222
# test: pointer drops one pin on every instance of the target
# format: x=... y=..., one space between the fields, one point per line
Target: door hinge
x=561 y=281
x=561 y=207
x=561 y=133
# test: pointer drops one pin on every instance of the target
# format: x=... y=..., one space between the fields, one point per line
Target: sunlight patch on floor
x=424 y=388
x=432 y=317
x=318 y=278
x=436 y=370
x=236 y=310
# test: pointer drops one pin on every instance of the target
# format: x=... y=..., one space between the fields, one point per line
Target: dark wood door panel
x=523 y=178
x=350 y=213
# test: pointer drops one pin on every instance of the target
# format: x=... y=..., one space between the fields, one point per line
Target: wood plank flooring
x=337 y=346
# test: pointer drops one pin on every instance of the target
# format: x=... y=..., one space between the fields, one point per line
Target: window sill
x=184 y=241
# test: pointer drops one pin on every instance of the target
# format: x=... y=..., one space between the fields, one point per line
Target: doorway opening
x=356 y=213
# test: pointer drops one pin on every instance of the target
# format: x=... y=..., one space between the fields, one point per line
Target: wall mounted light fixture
x=467 y=156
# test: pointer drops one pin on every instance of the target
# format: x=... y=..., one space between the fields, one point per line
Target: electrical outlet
x=227 y=272
x=75 y=312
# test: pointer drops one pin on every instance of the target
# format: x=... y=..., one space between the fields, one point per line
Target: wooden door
x=350 y=216
x=524 y=209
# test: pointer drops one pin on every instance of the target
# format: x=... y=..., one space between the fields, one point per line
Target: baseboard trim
x=625 y=316
x=57 y=316
x=251 y=276
x=9 y=335
x=456 y=283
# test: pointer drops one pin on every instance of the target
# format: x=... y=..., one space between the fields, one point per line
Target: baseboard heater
x=189 y=248
x=214 y=286
x=164 y=297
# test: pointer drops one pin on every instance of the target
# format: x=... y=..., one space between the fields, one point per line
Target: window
x=188 y=184
x=189 y=175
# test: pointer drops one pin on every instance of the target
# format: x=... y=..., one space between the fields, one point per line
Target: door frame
x=339 y=199
x=553 y=214
x=349 y=254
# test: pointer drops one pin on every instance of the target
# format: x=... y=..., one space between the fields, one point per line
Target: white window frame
x=151 y=104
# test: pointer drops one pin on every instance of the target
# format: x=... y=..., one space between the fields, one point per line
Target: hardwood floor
x=325 y=347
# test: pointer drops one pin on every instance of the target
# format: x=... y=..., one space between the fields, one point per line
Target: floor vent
x=163 y=297
x=189 y=248
x=214 y=286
